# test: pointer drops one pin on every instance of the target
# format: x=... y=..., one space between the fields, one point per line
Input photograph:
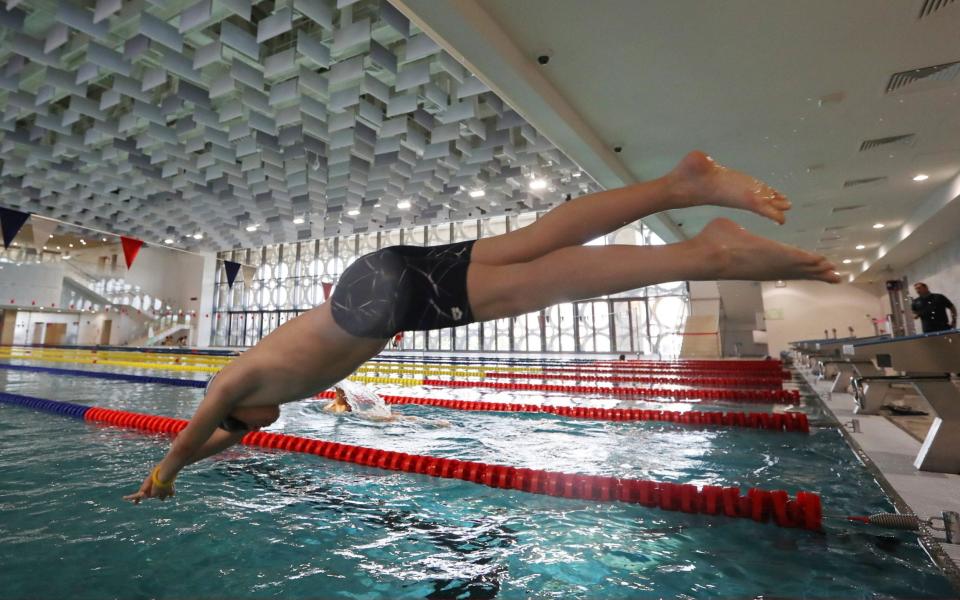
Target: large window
x=293 y=278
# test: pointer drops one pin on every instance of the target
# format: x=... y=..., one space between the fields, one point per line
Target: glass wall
x=293 y=278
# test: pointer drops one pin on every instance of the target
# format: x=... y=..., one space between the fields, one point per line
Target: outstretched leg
x=696 y=180
x=723 y=250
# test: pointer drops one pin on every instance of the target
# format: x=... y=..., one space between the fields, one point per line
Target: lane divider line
x=790 y=422
x=802 y=511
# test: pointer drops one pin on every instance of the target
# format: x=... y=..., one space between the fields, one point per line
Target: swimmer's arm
x=218 y=442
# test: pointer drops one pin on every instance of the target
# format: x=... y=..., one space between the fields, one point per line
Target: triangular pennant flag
x=231 y=268
x=42 y=230
x=248 y=273
x=131 y=247
x=327 y=288
x=11 y=221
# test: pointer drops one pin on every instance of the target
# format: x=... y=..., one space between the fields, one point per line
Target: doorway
x=37 y=338
x=105 y=332
x=55 y=334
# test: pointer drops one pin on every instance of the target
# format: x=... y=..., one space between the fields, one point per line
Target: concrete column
x=207 y=293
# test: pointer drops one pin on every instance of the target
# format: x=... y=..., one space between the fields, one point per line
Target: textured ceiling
x=294 y=119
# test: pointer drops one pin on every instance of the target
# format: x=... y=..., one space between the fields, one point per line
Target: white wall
x=30 y=284
x=939 y=269
x=803 y=309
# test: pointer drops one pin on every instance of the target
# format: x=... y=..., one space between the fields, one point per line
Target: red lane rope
x=772 y=421
x=760 y=505
x=770 y=382
x=763 y=396
x=783 y=375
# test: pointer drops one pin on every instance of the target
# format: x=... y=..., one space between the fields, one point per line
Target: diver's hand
x=149 y=489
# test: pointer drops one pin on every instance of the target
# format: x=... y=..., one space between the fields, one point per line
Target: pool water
x=256 y=523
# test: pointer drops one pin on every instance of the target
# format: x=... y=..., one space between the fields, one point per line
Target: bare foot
x=741 y=255
x=698 y=180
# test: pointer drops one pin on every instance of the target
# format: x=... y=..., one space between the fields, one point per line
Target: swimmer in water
x=339 y=404
x=412 y=288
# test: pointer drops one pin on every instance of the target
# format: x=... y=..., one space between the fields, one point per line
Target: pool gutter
x=929 y=540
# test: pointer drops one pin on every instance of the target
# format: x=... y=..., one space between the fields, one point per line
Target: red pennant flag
x=131 y=247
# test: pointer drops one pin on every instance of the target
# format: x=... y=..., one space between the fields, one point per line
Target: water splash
x=363 y=400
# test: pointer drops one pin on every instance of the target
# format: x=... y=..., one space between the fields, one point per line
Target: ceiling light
x=249 y=228
x=377 y=205
x=538 y=184
x=477 y=193
x=103 y=239
x=577 y=173
x=921 y=177
x=58 y=247
x=44 y=247
x=403 y=204
x=298 y=220
x=847 y=261
x=878 y=226
x=71 y=245
x=198 y=236
x=82 y=241
x=168 y=241
x=353 y=212
x=860 y=247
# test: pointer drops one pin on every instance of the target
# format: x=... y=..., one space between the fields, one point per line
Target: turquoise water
x=274 y=524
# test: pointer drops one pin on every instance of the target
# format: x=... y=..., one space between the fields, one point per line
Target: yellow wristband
x=155 y=479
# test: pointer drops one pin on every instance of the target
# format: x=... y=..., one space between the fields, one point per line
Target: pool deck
x=891 y=450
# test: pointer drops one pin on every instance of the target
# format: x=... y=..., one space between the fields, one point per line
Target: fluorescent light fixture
x=878 y=225
x=538 y=184
x=298 y=220
x=921 y=177
x=403 y=204
x=847 y=261
x=861 y=247
x=252 y=227
x=198 y=236
x=353 y=212
x=477 y=193
x=577 y=173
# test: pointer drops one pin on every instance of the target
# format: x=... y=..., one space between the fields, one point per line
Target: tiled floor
x=892 y=451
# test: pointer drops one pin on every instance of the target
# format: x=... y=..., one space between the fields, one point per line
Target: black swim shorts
x=404 y=288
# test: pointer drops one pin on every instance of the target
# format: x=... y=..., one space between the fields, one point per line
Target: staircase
x=156 y=318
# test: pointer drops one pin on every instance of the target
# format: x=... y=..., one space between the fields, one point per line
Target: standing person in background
x=932 y=309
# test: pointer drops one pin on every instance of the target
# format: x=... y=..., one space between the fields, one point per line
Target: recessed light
x=878 y=225
x=353 y=212
x=847 y=261
x=71 y=245
x=538 y=184
x=58 y=247
x=921 y=177
x=477 y=193
x=250 y=228
x=298 y=220
x=403 y=204
x=860 y=247
x=168 y=241
x=103 y=239
x=198 y=236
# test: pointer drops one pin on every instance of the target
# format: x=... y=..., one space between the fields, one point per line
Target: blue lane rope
x=193 y=383
x=63 y=408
